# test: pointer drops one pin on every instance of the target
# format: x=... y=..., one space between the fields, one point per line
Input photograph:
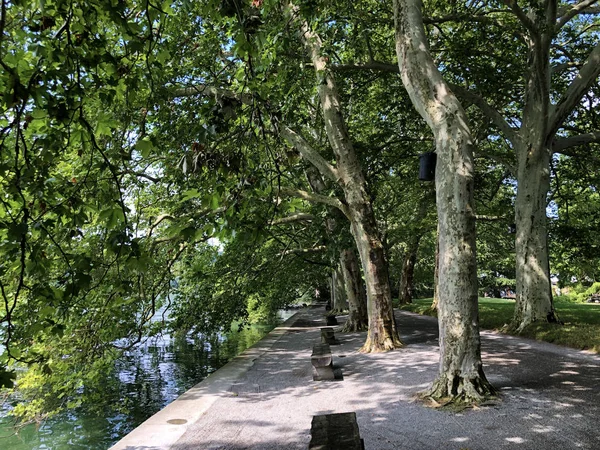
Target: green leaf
x=214 y=201
x=190 y=194
x=47 y=311
x=144 y=146
x=162 y=56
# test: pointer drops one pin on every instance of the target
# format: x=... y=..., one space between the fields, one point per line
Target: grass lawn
x=581 y=329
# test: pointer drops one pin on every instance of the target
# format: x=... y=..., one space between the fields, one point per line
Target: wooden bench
x=331 y=320
x=328 y=336
x=335 y=432
x=322 y=363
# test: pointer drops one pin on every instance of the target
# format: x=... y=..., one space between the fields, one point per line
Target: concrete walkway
x=265 y=398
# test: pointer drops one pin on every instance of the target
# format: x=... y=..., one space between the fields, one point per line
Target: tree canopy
x=211 y=161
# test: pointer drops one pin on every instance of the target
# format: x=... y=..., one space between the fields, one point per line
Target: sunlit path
x=549 y=399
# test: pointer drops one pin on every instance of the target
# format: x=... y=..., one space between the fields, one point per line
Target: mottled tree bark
x=406 y=289
x=533 y=143
x=533 y=290
x=355 y=292
x=460 y=375
x=382 y=333
x=436 y=273
x=339 y=290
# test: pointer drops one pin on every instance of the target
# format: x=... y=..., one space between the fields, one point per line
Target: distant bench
x=331 y=320
x=335 y=432
x=328 y=336
x=322 y=363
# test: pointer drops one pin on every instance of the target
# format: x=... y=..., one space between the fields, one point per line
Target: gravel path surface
x=550 y=395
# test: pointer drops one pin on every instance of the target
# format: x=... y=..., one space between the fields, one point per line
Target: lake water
x=144 y=381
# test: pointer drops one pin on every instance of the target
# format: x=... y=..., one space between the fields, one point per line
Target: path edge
x=156 y=433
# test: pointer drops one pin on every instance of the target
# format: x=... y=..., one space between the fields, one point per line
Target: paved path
x=550 y=396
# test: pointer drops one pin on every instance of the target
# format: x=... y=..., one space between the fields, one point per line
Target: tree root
x=381 y=345
x=459 y=392
x=352 y=326
x=517 y=327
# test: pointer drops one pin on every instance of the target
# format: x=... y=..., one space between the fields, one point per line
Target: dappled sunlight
x=543 y=394
x=564 y=372
x=499 y=358
x=515 y=440
x=542 y=429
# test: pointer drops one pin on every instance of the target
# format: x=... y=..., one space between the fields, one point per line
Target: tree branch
x=509 y=133
x=303 y=251
x=488 y=218
x=317 y=198
x=497 y=119
x=572 y=12
x=562 y=144
x=526 y=21
x=140 y=175
x=372 y=65
x=206 y=90
x=300 y=217
x=478 y=17
x=576 y=90
x=309 y=153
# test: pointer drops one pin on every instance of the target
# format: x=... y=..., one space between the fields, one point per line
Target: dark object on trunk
x=335 y=432
x=322 y=363
x=512 y=228
x=331 y=320
x=328 y=336
x=427 y=166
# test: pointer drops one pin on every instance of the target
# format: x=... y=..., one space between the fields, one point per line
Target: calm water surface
x=145 y=380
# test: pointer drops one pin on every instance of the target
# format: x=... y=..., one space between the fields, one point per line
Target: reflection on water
x=144 y=381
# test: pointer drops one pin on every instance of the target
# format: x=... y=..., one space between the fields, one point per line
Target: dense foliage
x=143 y=174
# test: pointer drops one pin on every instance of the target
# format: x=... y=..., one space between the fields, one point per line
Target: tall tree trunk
x=436 y=273
x=408 y=271
x=382 y=334
x=406 y=288
x=460 y=375
x=534 y=292
x=339 y=297
x=355 y=292
x=534 y=288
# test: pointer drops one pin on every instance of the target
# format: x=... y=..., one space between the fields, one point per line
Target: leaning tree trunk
x=408 y=271
x=533 y=293
x=355 y=292
x=382 y=334
x=460 y=375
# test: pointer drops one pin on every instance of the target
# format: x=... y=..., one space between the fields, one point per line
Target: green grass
x=581 y=327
